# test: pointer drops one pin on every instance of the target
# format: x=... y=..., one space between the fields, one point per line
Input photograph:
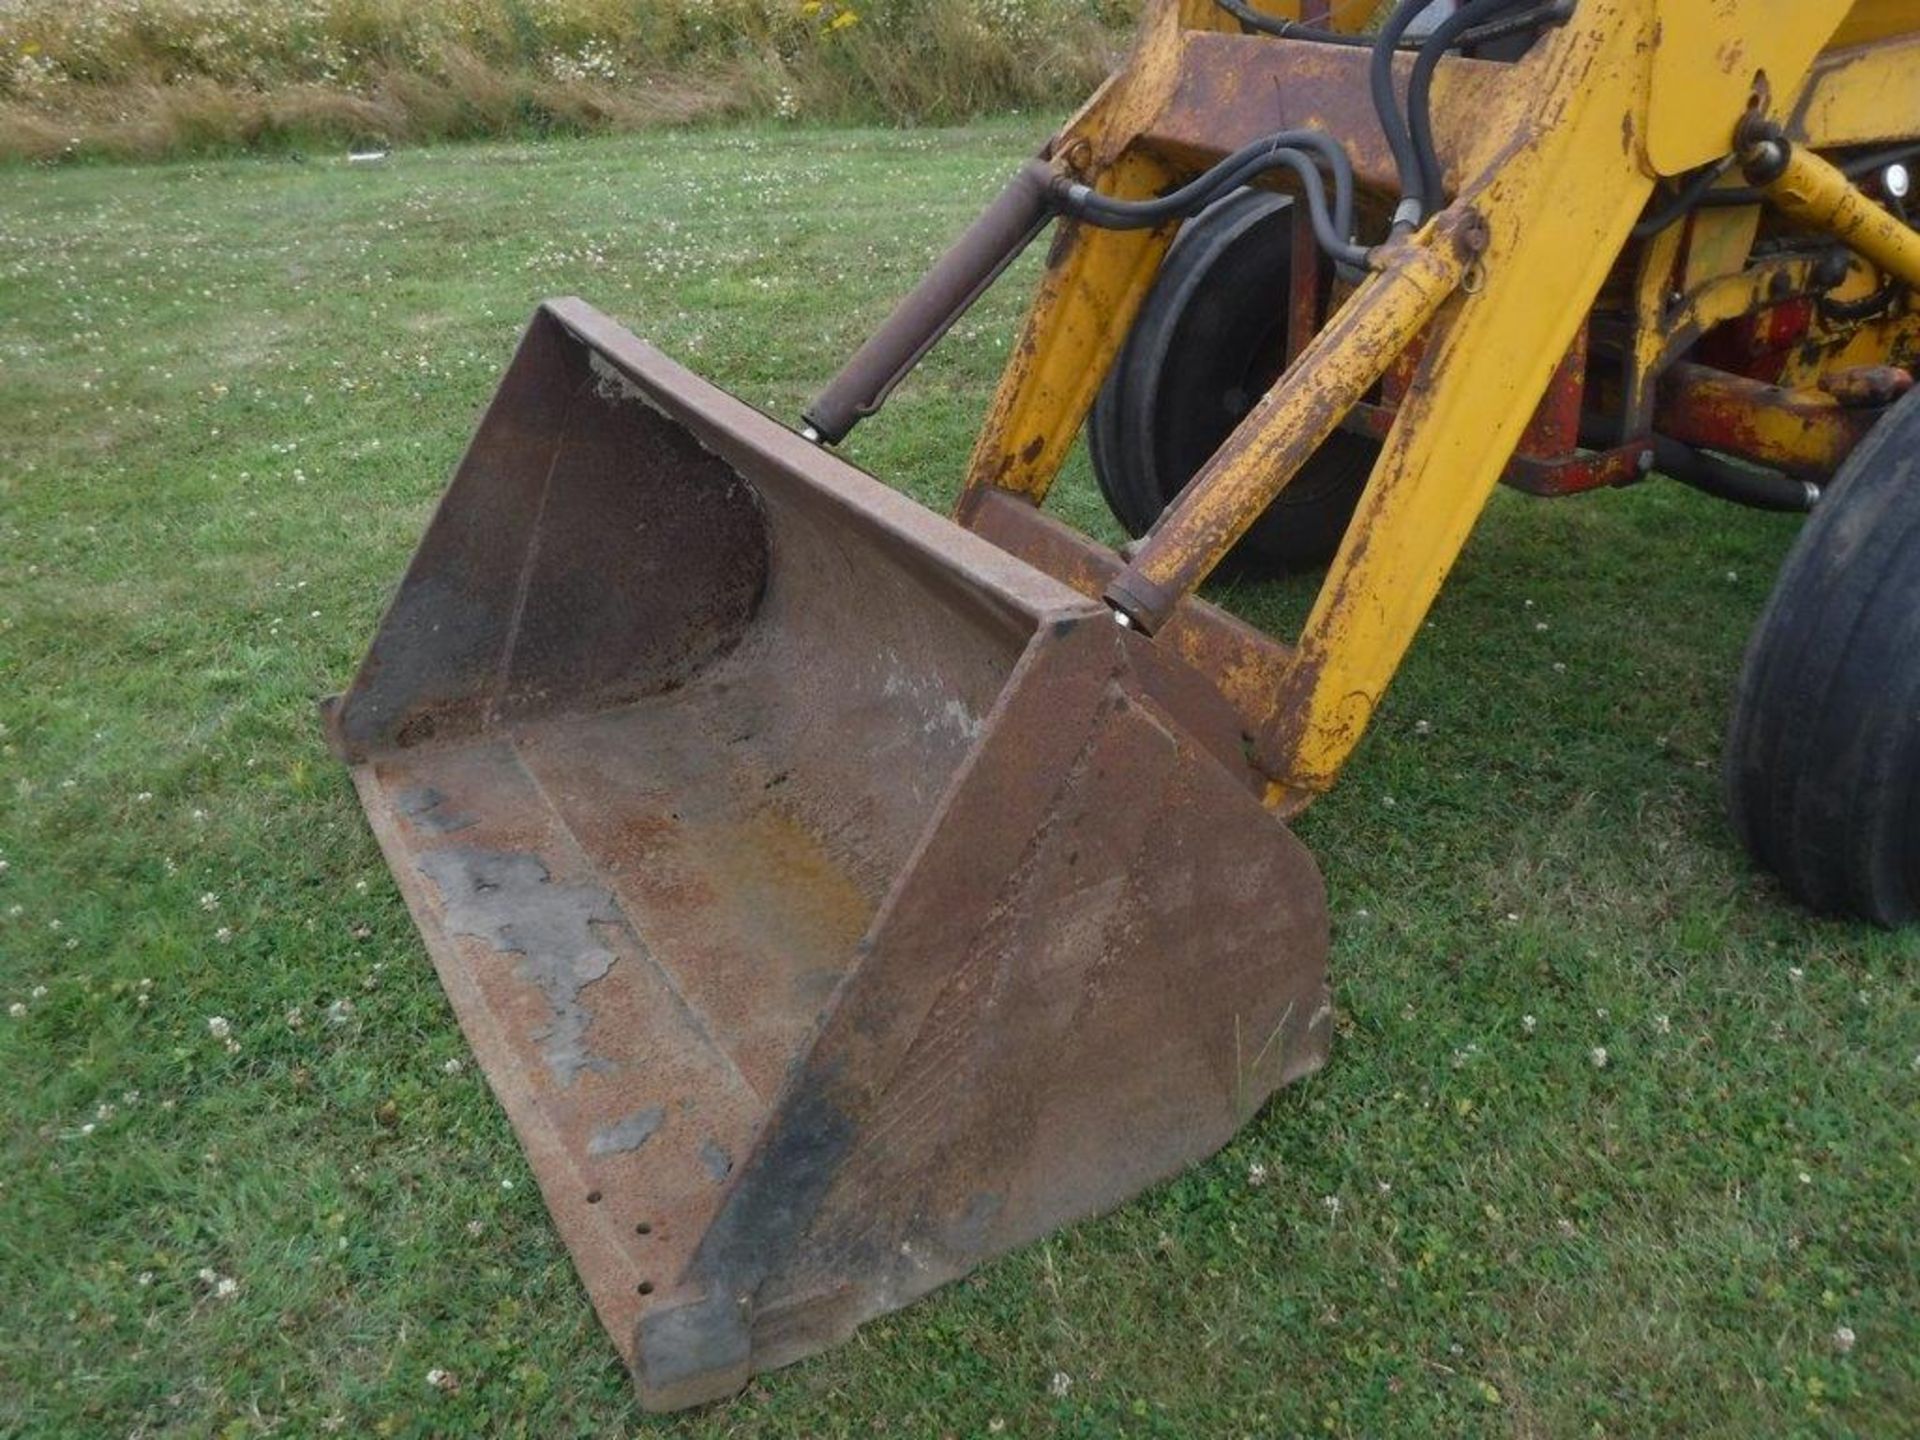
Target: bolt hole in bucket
x=710 y=767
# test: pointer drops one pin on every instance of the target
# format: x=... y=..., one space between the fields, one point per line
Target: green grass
x=229 y=394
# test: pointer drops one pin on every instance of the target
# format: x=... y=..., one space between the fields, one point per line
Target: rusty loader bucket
x=833 y=899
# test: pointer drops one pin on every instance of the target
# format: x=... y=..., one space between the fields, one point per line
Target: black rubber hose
x=1724 y=480
x=1448 y=34
x=1264 y=24
x=1293 y=149
x=1690 y=195
x=1386 y=105
x=1096 y=209
x=1290 y=29
x=1192 y=197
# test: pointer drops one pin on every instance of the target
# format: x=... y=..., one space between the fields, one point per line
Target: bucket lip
x=755 y=441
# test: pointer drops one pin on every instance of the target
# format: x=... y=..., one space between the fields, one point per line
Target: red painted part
x=1576 y=473
x=1739 y=416
x=1548 y=447
x=1757 y=346
x=1554 y=432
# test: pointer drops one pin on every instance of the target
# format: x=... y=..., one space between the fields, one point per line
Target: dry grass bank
x=146 y=78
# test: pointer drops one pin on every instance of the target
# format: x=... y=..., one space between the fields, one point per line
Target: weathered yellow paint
x=1869 y=20
x=1282 y=432
x=1095 y=279
x=1818 y=194
x=1094 y=283
x=1710 y=56
x=1719 y=243
x=1558 y=154
x=1653 y=284
x=1862 y=96
x=1559 y=193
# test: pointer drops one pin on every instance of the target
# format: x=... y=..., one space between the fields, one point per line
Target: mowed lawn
x=1614 y=1140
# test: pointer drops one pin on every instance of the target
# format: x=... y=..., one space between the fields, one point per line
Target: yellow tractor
x=838 y=895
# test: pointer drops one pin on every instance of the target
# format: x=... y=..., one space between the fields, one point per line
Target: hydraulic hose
x=1475 y=18
x=1333 y=228
x=1393 y=124
x=1291 y=29
x=1741 y=484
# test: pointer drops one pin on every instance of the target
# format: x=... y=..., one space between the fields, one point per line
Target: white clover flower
x=209 y=901
x=339 y=1012
x=1331 y=1204
x=453 y=1066
x=1843 y=1338
x=223 y=934
x=18 y=1009
x=1598 y=1055
x=1663 y=1024
x=1529 y=1023
x=442 y=1379
x=1256 y=1175
x=476 y=1228
x=219 y=1027
x=1795 y=973
x=1060 y=1384
x=226 y=1287
x=296 y=1018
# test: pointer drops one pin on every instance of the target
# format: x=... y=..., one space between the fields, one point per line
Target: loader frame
x=1529 y=316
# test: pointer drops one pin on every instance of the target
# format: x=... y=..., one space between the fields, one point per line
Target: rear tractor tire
x=1210 y=340
x=1822 y=763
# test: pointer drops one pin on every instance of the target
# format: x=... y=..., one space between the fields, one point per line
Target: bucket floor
x=639 y=920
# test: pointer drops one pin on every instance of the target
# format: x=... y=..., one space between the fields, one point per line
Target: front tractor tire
x=1210 y=340
x=1822 y=763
